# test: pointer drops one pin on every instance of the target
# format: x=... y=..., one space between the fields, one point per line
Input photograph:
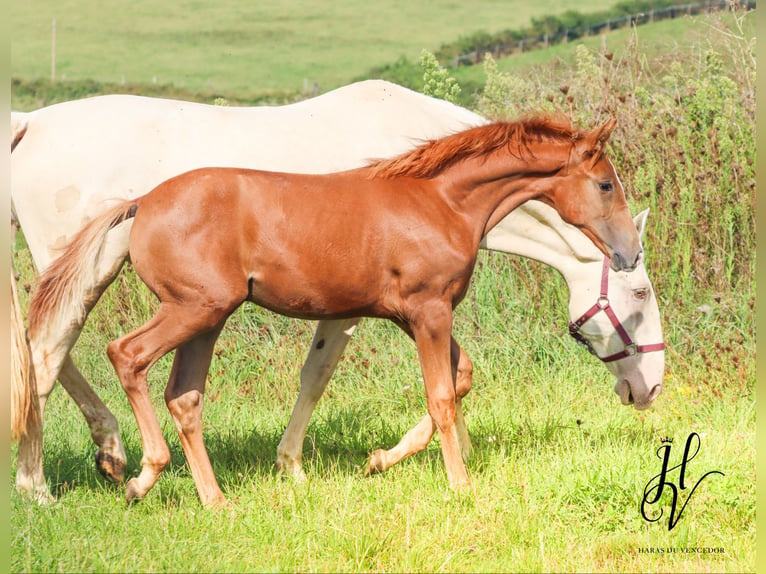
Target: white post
x=53 y=51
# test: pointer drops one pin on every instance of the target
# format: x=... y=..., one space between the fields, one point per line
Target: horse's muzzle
x=620 y=263
x=623 y=389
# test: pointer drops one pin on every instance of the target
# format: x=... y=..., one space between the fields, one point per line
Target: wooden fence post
x=53 y=51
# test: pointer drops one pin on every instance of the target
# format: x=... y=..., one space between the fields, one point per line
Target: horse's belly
x=313 y=295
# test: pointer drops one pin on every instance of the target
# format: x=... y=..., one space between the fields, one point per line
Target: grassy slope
x=247 y=46
x=658 y=42
x=558 y=470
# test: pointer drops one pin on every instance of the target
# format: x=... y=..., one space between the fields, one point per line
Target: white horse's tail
x=24 y=409
x=19 y=122
x=70 y=286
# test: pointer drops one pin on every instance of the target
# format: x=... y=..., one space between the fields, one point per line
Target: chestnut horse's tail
x=70 y=286
x=24 y=410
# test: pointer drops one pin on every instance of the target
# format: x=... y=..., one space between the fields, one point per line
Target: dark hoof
x=110 y=467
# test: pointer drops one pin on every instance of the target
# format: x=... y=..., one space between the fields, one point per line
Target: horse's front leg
x=418 y=437
x=327 y=346
x=431 y=330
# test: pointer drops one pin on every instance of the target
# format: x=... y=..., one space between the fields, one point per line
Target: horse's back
x=75 y=155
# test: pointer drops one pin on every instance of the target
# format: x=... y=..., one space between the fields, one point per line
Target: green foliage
x=33 y=94
x=436 y=80
x=402 y=71
x=506 y=96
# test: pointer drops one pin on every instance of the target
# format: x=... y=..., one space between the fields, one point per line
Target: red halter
x=602 y=304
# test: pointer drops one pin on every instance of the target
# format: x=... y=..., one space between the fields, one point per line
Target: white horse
x=70 y=159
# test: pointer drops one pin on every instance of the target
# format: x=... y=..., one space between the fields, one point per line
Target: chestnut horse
x=68 y=158
x=396 y=240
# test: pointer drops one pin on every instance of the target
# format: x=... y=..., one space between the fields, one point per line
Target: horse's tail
x=23 y=393
x=19 y=123
x=75 y=280
x=24 y=409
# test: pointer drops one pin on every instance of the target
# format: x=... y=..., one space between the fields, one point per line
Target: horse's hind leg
x=418 y=437
x=30 y=478
x=110 y=458
x=184 y=396
x=104 y=430
x=47 y=361
x=133 y=355
x=51 y=361
x=327 y=346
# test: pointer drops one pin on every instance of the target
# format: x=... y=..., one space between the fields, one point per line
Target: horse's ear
x=602 y=134
x=592 y=145
x=640 y=221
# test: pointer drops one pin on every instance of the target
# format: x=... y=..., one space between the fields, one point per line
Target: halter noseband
x=602 y=304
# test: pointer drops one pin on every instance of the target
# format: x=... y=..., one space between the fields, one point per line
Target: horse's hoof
x=109 y=466
x=289 y=467
x=219 y=503
x=38 y=493
x=132 y=491
x=461 y=485
x=42 y=496
x=376 y=463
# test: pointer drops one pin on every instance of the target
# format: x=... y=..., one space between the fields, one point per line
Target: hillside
x=247 y=47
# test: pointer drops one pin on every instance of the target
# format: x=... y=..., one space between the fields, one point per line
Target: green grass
x=559 y=465
x=558 y=470
x=247 y=46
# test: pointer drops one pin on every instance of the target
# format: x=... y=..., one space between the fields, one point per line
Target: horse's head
x=622 y=327
x=590 y=196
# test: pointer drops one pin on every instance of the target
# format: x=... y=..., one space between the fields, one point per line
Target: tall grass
x=559 y=467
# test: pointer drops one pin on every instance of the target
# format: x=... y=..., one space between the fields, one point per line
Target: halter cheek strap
x=602 y=304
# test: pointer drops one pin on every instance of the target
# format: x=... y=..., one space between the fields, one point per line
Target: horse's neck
x=536 y=231
x=487 y=189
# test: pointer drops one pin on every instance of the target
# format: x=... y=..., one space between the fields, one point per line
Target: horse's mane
x=434 y=156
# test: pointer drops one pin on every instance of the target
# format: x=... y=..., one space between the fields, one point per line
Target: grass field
x=247 y=46
x=558 y=471
x=559 y=466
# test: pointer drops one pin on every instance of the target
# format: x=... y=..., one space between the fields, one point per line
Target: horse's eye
x=641 y=294
x=605 y=186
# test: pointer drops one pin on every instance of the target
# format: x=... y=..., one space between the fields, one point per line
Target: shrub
x=436 y=81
